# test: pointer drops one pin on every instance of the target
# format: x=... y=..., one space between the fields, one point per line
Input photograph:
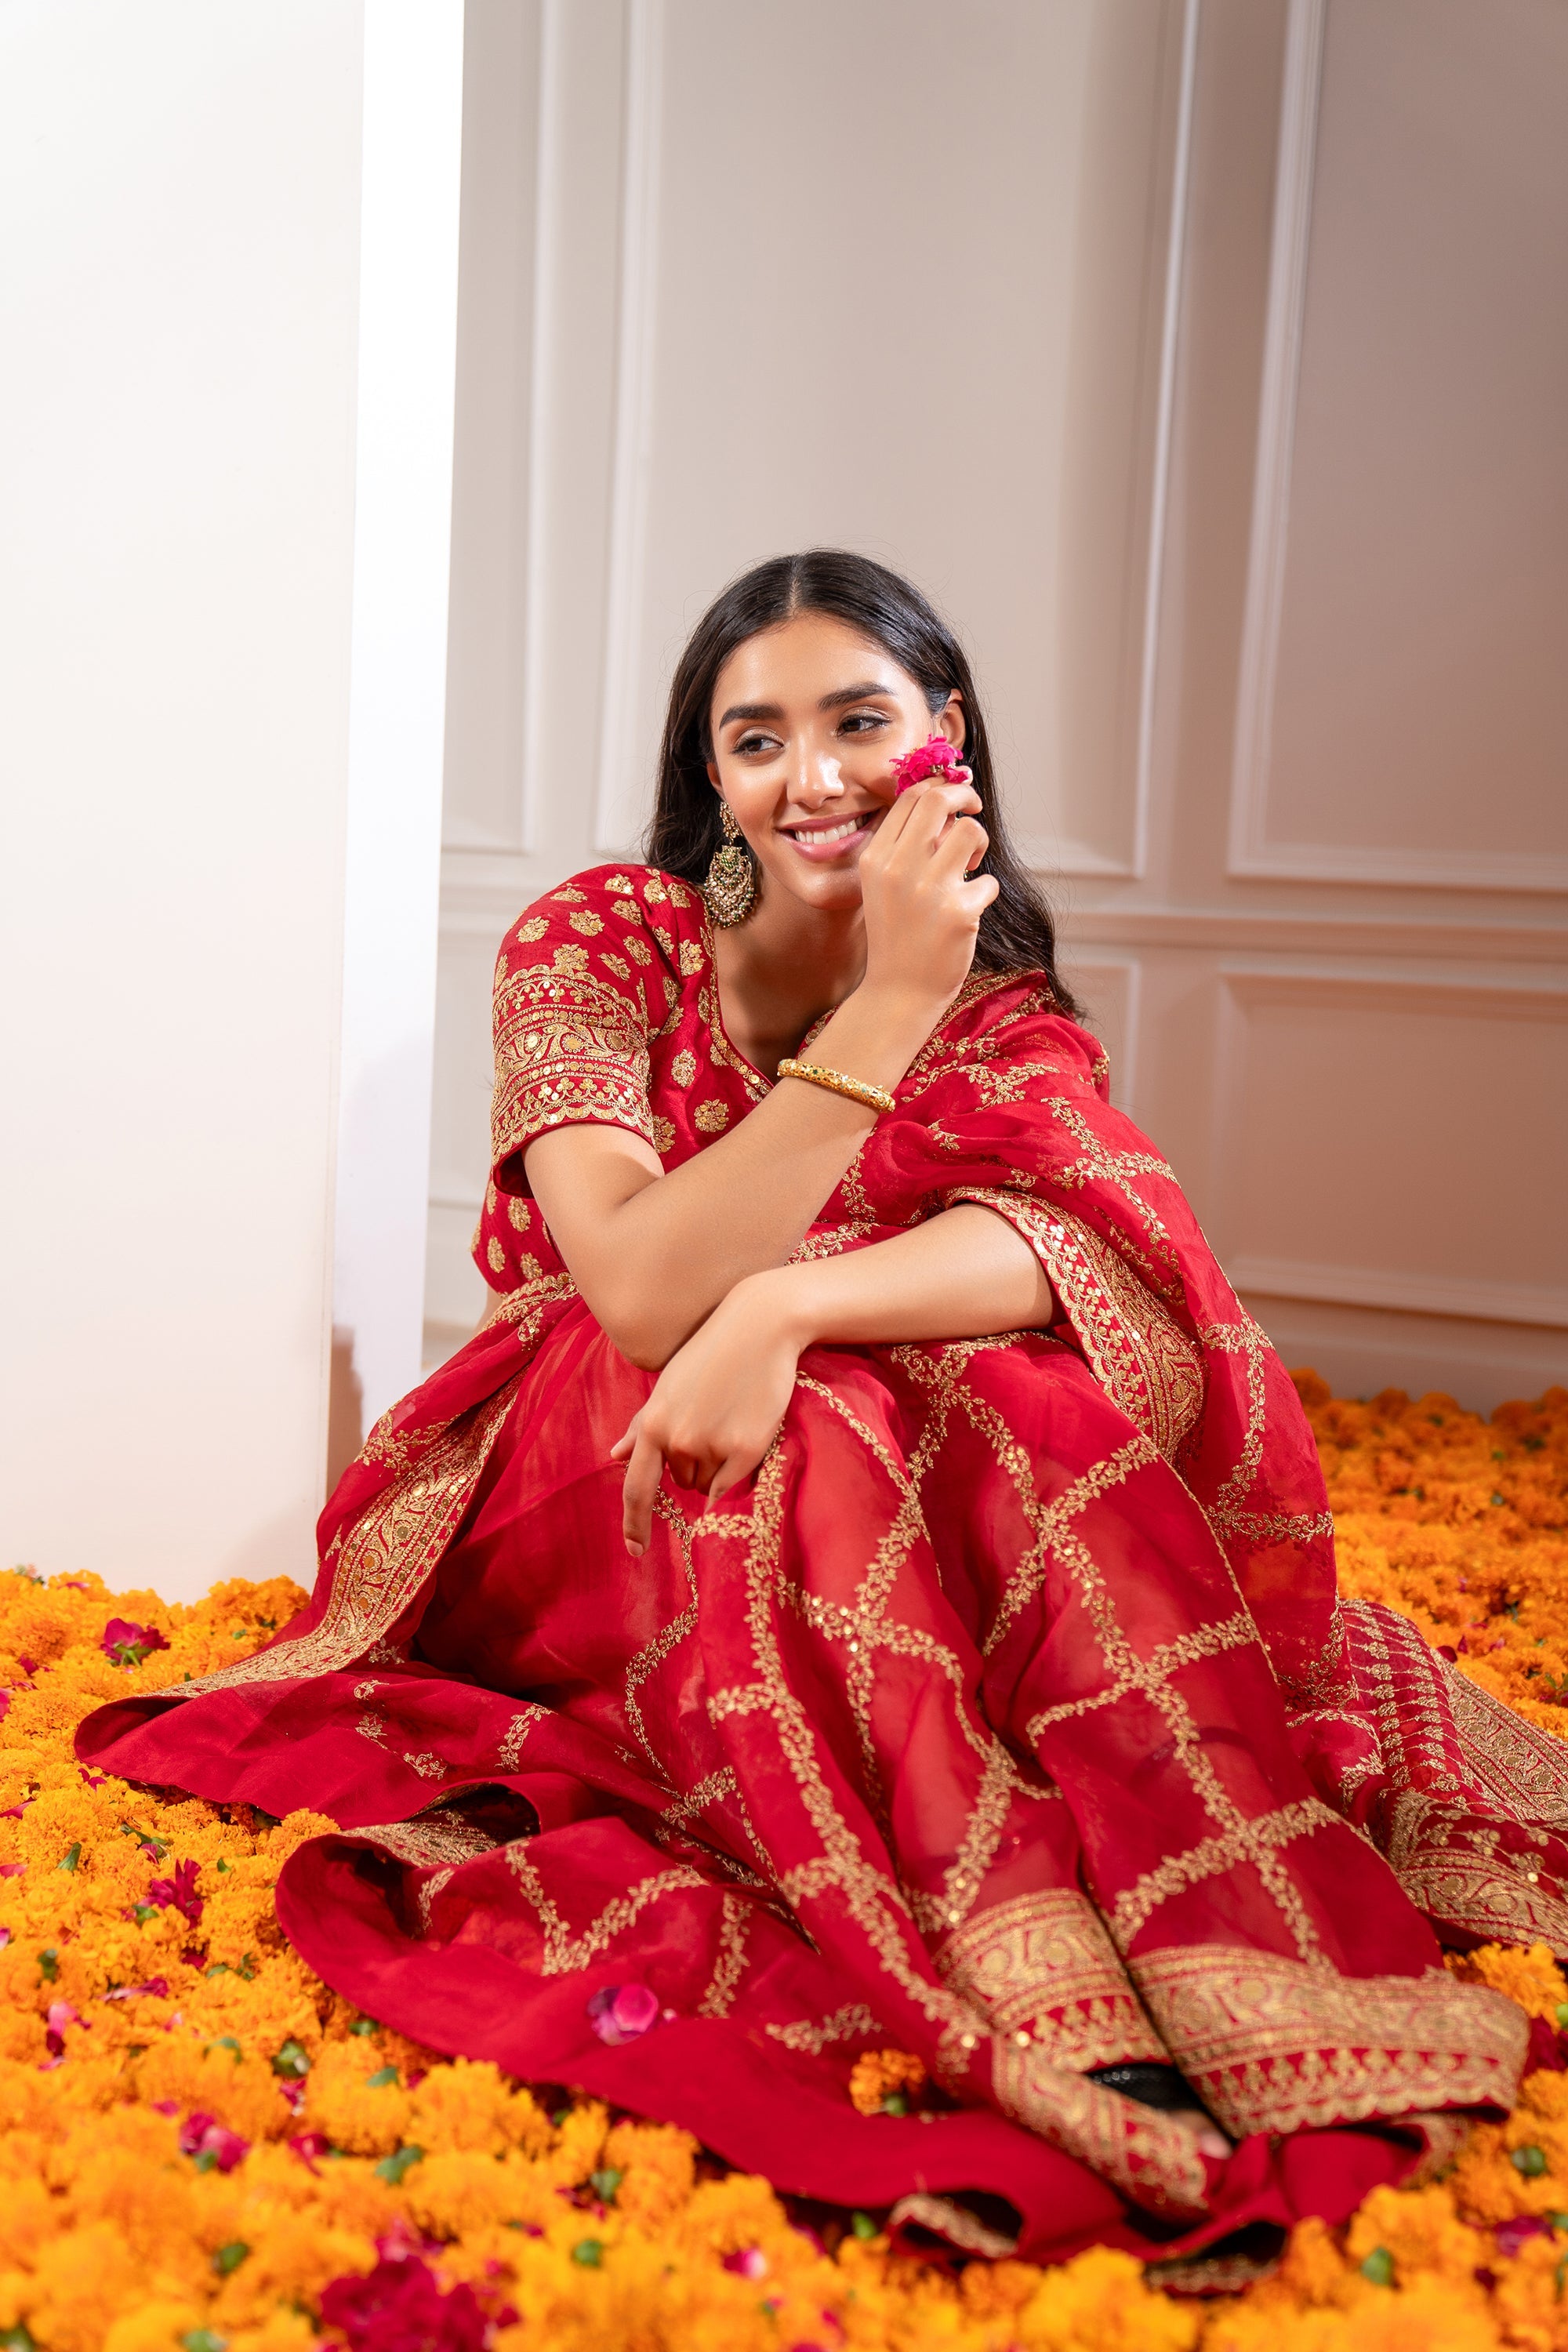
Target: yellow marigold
x=884 y=2074
x=1532 y=1976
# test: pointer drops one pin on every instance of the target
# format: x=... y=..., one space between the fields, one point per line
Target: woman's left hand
x=716 y=1407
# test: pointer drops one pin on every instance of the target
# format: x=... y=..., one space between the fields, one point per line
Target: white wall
x=734 y=279
x=1245 y=485
x=179 y=185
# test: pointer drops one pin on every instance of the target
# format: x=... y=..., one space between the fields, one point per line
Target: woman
x=867 y=1584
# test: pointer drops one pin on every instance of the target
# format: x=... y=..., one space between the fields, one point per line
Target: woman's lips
x=822 y=844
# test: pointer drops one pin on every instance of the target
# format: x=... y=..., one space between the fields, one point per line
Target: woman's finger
x=628 y=1438
x=643 y=1474
x=733 y=1468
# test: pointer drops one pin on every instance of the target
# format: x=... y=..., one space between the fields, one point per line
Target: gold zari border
x=1043 y=1967
x=1272 y=2045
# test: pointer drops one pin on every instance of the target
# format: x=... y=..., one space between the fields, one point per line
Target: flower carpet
x=203 y=2149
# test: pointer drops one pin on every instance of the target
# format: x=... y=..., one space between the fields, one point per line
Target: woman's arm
x=716 y=1407
x=652 y=1254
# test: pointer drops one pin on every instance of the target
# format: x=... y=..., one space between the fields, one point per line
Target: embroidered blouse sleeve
x=572 y=1017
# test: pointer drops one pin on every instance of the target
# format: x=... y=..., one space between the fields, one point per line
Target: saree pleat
x=1006 y=1717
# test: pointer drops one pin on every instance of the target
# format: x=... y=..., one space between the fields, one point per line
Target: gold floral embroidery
x=519 y=1214
x=509 y=1750
x=663 y=1135
x=731 y=1965
x=569 y=890
x=1439 y=1733
x=1043 y=1967
x=571 y=961
x=1153 y=2162
x=563 y=1951
x=683 y=1068
x=1270 y=2045
x=617 y=964
x=496 y=1257
x=385 y=1557
x=947 y=2219
x=1135 y=1348
x=639 y=949
x=534 y=928
x=692 y=958
x=567 y=1048
x=850 y=2023
x=711 y=1117
x=620 y=884
x=584 y=919
x=654 y=891
x=430 y=1840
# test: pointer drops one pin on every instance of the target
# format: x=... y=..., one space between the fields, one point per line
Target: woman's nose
x=819 y=778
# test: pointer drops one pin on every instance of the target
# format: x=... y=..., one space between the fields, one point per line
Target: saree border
x=1273 y=2045
x=1043 y=1970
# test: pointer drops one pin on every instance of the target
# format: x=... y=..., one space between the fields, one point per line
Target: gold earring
x=731 y=884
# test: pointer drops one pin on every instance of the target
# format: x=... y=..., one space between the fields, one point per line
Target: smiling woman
x=863 y=1604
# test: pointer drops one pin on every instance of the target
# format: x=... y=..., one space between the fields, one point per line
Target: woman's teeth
x=826 y=833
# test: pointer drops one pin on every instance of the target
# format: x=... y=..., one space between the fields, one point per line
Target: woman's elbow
x=645 y=1338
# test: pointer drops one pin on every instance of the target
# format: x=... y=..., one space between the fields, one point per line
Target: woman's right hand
x=921 y=908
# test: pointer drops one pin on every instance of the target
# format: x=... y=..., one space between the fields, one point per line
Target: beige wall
x=1245 y=483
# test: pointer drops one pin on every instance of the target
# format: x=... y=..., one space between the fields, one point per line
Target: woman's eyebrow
x=751 y=710
x=856 y=694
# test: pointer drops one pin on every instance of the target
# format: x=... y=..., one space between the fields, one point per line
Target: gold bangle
x=857 y=1090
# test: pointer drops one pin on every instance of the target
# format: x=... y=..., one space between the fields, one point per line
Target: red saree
x=1006 y=1718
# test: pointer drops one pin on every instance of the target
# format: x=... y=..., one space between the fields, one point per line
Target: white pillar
x=408 y=360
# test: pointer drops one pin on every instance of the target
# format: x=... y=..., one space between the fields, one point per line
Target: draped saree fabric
x=1006 y=1716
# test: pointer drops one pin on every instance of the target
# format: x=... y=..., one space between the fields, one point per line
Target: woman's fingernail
x=635 y=1549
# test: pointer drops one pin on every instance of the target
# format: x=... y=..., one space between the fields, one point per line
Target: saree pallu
x=1006 y=1718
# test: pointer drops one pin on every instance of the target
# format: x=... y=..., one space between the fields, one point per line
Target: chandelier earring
x=731 y=889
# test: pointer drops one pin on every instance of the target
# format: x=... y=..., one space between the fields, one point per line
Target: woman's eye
x=863 y=723
x=749 y=745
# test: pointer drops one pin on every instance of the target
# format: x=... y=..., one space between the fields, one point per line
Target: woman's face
x=808 y=718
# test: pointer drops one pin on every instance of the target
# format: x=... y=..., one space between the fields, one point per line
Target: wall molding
x=1301 y=95
x=1348 y=985
x=544 y=290
x=1164 y=425
x=1432 y=937
x=619 y=809
x=1251 y=853
x=1425 y=1294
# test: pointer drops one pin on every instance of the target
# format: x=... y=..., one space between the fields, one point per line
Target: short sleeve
x=571 y=1020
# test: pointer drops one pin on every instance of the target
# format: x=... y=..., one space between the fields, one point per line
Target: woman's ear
x=950 y=720
x=713 y=775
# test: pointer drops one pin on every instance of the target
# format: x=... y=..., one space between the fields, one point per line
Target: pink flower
x=621 y=2012
x=157 y=1986
x=400 y=2308
x=60 y=2014
x=750 y=2263
x=309 y=2146
x=936 y=757
x=1512 y=2235
x=180 y=1890
x=12 y=1869
x=126 y=1645
x=211 y=2145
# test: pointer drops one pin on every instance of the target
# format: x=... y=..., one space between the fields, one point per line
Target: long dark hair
x=1017 y=933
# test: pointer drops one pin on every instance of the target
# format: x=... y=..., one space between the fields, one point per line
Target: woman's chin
x=829 y=888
